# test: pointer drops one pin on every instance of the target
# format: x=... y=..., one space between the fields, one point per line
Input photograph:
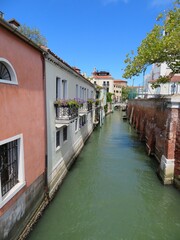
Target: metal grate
x=89 y=106
x=4 y=73
x=8 y=166
x=66 y=112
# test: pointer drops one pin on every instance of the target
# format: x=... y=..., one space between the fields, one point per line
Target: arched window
x=4 y=73
x=7 y=72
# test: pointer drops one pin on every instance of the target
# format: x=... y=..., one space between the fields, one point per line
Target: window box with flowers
x=97 y=103
x=66 y=108
x=83 y=107
x=90 y=103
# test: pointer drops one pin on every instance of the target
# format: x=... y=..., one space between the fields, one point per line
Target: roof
x=67 y=65
x=175 y=78
x=102 y=77
x=119 y=81
x=14 y=30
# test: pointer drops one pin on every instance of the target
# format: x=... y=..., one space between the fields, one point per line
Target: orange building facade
x=22 y=130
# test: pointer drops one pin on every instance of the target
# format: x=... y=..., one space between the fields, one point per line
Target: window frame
x=76 y=124
x=11 y=71
x=58 y=88
x=77 y=91
x=64 y=86
x=21 y=172
x=59 y=132
x=65 y=135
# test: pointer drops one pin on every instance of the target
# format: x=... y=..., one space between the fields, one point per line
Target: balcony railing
x=83 y=108
x=67 y=112
x=89 y=106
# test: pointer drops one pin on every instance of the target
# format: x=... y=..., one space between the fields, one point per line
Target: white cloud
x=107 y=2
x=157 y=3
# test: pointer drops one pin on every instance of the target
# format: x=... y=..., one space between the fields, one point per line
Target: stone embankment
x=157 y=121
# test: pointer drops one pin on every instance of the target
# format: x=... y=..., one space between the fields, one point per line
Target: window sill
x=58 y=148
x=11 y=193
x=8 y=82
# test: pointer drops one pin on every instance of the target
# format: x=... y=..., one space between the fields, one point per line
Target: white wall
x=59 y=160
x=101 y=81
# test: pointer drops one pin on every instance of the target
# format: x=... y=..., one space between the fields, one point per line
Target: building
x=22 y=130
x=169 y=88
x=101 y=103
x=70 y=115
x=118 y=85
x=103 y=79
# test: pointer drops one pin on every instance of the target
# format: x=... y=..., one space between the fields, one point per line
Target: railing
x=89 y=106
x=97 y=104
x=83 y=108
x=66 y=112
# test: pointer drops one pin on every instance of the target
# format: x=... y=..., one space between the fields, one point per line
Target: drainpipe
x=46 y=143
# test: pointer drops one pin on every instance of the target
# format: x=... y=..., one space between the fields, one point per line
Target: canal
x=112 y=193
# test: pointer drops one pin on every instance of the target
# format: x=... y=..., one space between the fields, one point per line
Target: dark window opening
x=64 y=133
x=8 y=166
x=57 y=139
x=4 y=72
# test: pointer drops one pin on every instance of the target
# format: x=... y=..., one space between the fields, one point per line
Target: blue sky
x=90 y=33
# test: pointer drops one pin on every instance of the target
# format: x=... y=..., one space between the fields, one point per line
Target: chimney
x=77 y=69
x=1 y=15
x=14 y=23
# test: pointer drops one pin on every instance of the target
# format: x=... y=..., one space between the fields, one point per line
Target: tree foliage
x=125 y=93
x=109 y=97
x=33 y=34
x=162 y=44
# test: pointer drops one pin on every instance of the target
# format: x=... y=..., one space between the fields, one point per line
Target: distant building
x=169 y=88
x=118 y=85
x=103 y=79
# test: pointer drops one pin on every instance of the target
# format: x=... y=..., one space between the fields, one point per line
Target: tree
x=125 y=93
x=33 y=34
x=162 y=44
x=109 y=97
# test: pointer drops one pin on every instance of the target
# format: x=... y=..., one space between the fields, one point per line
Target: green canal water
x=112 y=193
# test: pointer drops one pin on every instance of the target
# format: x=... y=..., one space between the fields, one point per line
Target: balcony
x=66 y=109
x=83 y=108
x=64 y=113
x=89 y=106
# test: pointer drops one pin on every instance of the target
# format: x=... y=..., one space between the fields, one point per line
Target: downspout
x=45 y=117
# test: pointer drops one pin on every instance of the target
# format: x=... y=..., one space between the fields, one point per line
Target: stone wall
x=157 y=123
x=18 y=215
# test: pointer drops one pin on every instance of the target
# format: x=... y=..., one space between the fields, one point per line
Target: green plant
x=106 y=108
x=109 y=97
x=90 y=100
x=67 y=103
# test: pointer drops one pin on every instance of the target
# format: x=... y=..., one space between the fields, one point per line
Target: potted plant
x=67 y=103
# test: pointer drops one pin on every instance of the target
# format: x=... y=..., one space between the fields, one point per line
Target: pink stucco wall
x=22 y=105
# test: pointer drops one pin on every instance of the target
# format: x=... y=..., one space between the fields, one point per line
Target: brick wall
x=157 y=123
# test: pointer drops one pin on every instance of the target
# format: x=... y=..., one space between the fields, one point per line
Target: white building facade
x=68 y=127
x=118 y=85
x=103 y=79
x=168 y=88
